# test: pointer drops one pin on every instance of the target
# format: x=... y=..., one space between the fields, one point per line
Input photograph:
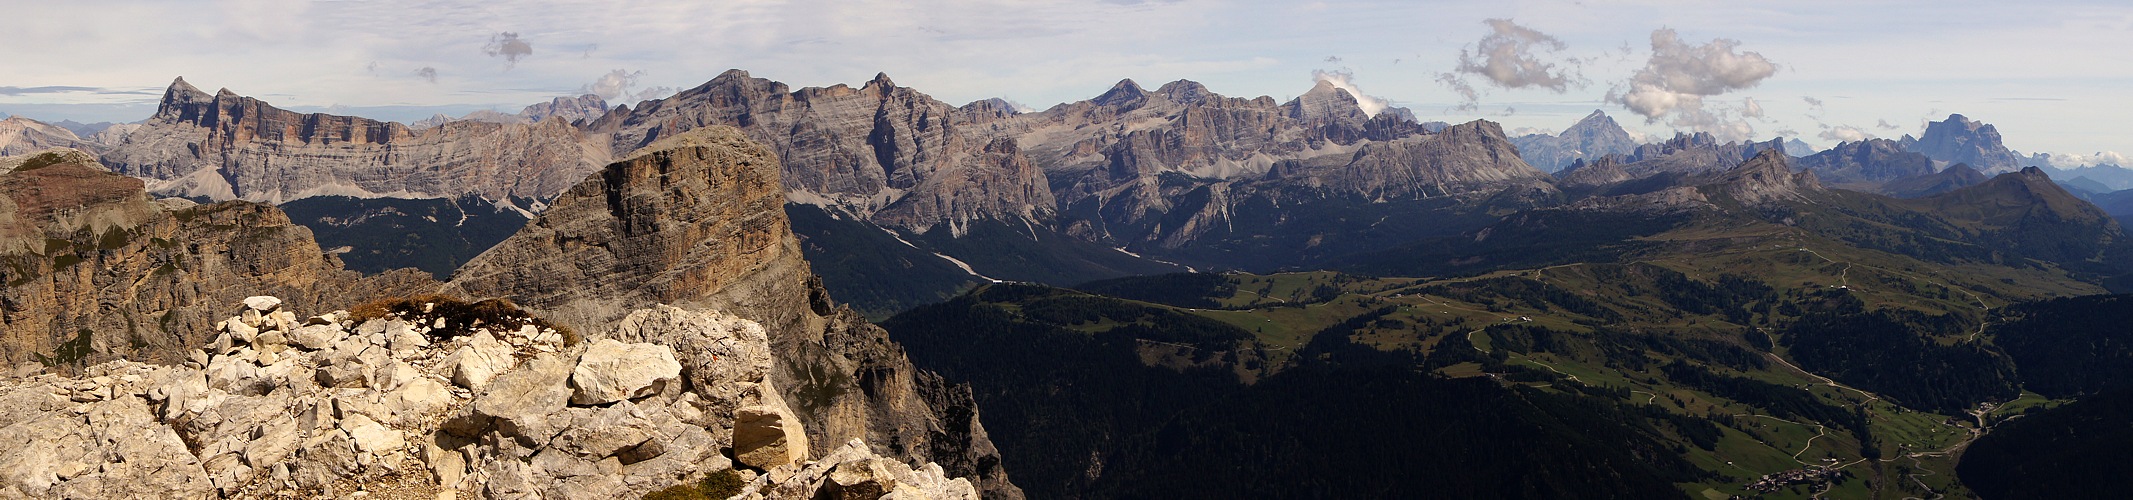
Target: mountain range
x=1129 y=182
x=1148 y=293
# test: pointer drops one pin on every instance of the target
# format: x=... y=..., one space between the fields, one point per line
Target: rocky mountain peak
x=1960 y=139
x=881 y=82
x=1185 y=92
x=697 y=220
x=1595 y=136
x=1766 y=178
x=1123 y=94
x=1596 y=119
x=1327 y=102
x=179 y=98
x=1867 y=163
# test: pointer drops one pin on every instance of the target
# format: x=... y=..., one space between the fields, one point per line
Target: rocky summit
x=420 y=402
x=697 y=220
x=595 y=390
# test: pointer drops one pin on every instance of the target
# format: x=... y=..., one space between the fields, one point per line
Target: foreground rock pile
x=412 y=405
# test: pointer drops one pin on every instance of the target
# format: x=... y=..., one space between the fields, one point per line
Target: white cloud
x=1679 y=75
x=1508 y=57
x=2063 y=160
x=1673 y=84
x=1512 y=57
x=1845 y=133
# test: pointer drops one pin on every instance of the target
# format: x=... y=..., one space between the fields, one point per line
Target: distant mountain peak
x=1592 y=137
x=1184 y=92
x=1768 y=177
x=882 y=79
x=1960 y=139
x=1125 y=92
x=179 y=85
x=1327 y=101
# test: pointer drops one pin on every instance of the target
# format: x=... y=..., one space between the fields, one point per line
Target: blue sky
x=2052 y=75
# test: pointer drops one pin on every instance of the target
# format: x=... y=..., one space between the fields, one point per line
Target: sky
x=2051 y=75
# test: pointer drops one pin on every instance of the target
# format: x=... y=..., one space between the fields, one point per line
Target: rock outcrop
x=377 y=411
x=1962 y=140
x=854 y=471
x=697 y=220
x=224 y=146
x=1767 y=178
x=95 y=269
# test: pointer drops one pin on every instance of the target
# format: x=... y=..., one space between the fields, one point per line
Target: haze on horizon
x=2049 y=74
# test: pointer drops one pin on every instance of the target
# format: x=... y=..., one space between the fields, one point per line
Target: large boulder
x=612 y=371
x=480 y=360
x=855 y=472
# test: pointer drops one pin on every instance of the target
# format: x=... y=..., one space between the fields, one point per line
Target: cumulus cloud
x=507 y=45
x=1751 y=109
x=1679 y=76
x=1508 y=57
x=1845 y=133
x=2063 y=160
x=1512 y=57
x=1345 y=80
x=1812 y=102
x=622 y=85
x=1885 y=125
x=427 y=73
x=1673 y=85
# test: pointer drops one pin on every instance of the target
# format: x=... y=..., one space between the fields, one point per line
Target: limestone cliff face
x=697 y=220
x=225 y=146
x=1960 y=139
x=88 y=250
x=885 y=152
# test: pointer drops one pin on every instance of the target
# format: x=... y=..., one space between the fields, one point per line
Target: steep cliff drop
x=696 y=220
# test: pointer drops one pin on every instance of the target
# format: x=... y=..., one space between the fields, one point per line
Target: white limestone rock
x=612 y=371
